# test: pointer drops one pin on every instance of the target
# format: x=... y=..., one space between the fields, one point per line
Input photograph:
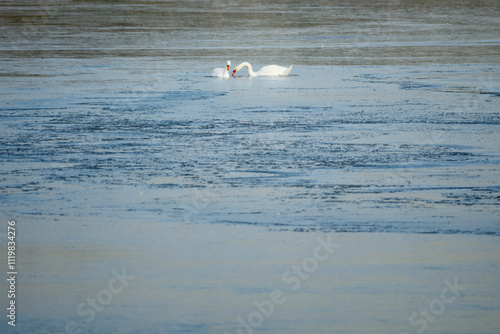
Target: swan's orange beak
x=227 y=67
x=234 y=72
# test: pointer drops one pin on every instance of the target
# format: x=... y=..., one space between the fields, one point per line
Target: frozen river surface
x=342 y=148
x=389 y=122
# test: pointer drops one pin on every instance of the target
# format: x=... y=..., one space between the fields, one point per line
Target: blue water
x=120 y=151
x=338 y=148
x=388 y=122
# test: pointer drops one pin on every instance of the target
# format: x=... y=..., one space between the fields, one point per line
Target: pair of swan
x=266 y=71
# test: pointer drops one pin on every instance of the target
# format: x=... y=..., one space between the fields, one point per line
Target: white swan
x=220 y=72
x=266 y=71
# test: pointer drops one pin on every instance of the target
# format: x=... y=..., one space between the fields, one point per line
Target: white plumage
x=266 y=71
x=220 y=72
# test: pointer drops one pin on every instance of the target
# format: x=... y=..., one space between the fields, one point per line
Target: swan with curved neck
x=266 y=71
x=220 y=72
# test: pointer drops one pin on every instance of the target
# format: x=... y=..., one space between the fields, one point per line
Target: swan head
x=240 y=66
x=228 y=64
x=236 y=69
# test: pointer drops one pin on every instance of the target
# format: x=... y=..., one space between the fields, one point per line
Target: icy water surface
x=120 y=152
x=111 y=116
x=357 y=148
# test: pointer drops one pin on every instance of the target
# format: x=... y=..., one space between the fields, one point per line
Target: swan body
x=222 y=73
x=266 y=71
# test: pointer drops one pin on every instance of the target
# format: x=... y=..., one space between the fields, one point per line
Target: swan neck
x=250 y=69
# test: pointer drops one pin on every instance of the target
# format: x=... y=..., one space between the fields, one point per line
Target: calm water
x=389 y=121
